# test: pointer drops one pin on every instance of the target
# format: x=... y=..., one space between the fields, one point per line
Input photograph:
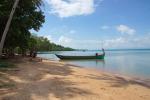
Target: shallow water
x=133 y=63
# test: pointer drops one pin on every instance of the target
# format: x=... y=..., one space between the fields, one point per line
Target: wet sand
x=51 y=80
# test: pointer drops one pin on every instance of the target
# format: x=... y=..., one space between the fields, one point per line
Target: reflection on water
x=88 y=63
x=135 y=63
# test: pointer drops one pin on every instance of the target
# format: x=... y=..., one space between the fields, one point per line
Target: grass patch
x=7 y=85
x=6 y=64
x=6 y=67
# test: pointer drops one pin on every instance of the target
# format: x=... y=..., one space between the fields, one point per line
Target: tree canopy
x=28 y=16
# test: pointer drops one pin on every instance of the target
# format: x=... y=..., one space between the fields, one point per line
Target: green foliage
x=6 y=67
x=28 y=16
x=43 y=44
x=6 y=85
x=4 y=64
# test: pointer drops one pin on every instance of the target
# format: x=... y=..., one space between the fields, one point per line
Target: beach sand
x=52 y=80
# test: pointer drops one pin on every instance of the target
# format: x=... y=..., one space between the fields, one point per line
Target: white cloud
x=124 y=29
x=114 y=42
x=128 y=42
x=123 y=41
x=67 y=8
x=118 y=42
x=63 y=40
x=105 y=27
x=49 y=37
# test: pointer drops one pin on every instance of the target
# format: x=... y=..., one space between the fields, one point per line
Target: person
x=34 y=54
x=103 y=51
x=96 y=54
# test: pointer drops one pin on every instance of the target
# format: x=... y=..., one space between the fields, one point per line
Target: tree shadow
x=117 y=81
x=53 y=69
x=32 y=83
x=58 y=87
x=6 y=84
x=39 y=70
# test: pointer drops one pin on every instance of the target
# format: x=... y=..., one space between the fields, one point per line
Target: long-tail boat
x=96 y=56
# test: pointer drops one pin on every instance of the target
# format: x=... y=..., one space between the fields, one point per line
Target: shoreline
x=114 y=73
x=110 y=72
x=54 y=80
x=137 y=79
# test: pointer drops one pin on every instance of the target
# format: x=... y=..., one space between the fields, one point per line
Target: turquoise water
x=133 y=63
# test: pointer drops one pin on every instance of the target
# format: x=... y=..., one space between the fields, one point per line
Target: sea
x=129 y=62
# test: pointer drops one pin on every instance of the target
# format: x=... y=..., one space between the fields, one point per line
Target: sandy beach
x=52 y=80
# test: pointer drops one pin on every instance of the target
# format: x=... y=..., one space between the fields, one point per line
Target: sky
x=96 y=24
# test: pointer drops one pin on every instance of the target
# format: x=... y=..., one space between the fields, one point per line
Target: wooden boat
x=96 y=56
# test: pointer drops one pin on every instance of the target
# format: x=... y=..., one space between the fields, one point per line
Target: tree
x=7 y=26
x=43 y=44
x=32 y=45
x=28 y=16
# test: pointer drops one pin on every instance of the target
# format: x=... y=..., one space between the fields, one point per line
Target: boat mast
x=7 y=26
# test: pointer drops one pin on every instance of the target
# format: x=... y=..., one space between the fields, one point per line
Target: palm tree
x=34 y=4
x=7 y=26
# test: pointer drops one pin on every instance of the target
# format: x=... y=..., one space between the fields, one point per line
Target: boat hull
x=80 y=57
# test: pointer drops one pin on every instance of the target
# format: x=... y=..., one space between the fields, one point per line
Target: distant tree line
x=28 y=16
x=43 y=44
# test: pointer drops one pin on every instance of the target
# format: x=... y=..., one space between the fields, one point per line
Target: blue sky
x=93 y=24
